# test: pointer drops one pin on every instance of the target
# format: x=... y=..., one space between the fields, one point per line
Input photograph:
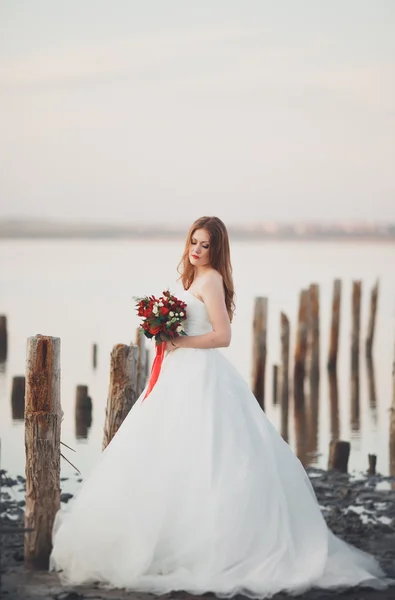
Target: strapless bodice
x=197 y=322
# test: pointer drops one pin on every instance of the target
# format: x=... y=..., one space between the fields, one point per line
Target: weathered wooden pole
x=259 y=350
x=313 y=411
x=372 y=458
x=18 y=397
x=392 y=422
x=284 y=386
x=82 y=400
x=301 y=438
x=141 y=363
x=339 y=453
x=301 y=349
x=123 y=388
x=94 y=355
x=43 y=415
x=371 y=386
x=334 y=405
x=355 y=337
x=335 y=326
x=314 y=331
x=3 y=338
x=83 y=412
x=275 y=384
x=372 y=319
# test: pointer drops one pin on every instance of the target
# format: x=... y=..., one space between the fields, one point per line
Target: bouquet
x=163 y=317
x=163 y=320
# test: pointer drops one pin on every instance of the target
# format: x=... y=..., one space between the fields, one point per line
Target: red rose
x=164 y=310
x=155 y=330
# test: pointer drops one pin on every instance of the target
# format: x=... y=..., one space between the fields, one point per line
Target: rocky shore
x=360 y=510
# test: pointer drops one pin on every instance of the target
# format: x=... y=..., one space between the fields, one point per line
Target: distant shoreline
x=260 y=231
x=234 y=236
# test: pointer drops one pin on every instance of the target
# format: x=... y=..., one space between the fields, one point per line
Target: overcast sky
x=165 y=110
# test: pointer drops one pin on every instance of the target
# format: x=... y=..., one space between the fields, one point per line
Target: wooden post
x=123 y=388
x=301 y=349
x=275 y=384
x=82 y=400
x=83 y=412
x=372 y=319
x=339 y=453
x=335 y=325
x=18 y=398
x=301 y=439
x=313 y=412
x=94 y=355
x=371 y=386
x=372 y=464
x=392 y=422
x=259 y=350
x=334 y=405
x=284 y=324
x=43 y=415
x=141 y=363
x=3 y=338
x=314 y=331
x=355 y=336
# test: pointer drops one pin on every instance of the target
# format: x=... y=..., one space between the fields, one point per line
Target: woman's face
x=199 y=249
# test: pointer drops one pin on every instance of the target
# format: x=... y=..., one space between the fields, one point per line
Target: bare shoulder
x=211 y=281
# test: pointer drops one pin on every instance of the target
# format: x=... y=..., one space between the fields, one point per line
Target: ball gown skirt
x=198 y=492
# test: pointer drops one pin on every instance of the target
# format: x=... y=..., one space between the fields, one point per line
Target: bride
x=197 y=491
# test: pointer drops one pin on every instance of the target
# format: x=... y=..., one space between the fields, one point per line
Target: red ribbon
x=156 y=367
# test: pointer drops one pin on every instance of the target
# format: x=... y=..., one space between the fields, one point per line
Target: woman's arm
x=213 y=296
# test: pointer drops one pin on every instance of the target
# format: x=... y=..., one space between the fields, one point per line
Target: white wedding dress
x=198 y=492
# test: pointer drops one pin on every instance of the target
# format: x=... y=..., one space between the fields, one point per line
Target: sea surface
x=83 y=292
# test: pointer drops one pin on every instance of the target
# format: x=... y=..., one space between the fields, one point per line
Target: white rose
x=181 y=314
x=155 y=309
x=160 y=304
x=179 y=329
x=171 y=314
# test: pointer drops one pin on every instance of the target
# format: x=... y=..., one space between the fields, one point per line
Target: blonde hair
x=219 y=257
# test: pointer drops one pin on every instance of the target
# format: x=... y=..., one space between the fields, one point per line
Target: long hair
x=219 y=257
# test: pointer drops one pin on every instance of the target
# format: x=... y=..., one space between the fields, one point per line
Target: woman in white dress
x=197 y=491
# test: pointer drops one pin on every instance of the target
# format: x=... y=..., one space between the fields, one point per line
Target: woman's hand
x=170 y=346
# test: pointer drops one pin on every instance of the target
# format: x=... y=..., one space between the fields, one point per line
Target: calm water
x=82 y=292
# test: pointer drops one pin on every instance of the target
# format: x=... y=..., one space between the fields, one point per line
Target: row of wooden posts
x=128 y=374
x=307 y=343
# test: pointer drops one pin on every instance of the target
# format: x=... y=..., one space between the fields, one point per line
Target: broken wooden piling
x=94 y=355
x=355 y=344
x=18 y=397
x=284 y=373
x=3 y=338
x=259 y=350
x=372 y=320
x=339 y=453
x=43 y=416
x=335 y=326
x=301 y=349
x=123 y=388
x=142 y=370
x=83 y=412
